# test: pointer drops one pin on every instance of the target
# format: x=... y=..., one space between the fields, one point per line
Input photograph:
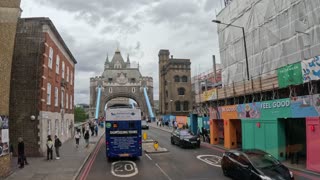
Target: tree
x=80 y=115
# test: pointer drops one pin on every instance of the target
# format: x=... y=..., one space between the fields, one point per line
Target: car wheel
x=172 y=142
x=225 y=172
x=198 y=145
x=181 y=144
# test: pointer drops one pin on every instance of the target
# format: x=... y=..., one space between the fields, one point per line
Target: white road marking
x=212 y=160
x=148 y=157
x=124 y=167
x=163 y=172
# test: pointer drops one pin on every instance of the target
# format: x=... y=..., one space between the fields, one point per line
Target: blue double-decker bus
x=123 y=132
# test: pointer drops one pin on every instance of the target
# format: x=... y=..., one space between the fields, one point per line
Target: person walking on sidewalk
x=57 y=145
x=21 y=156
x=49 y=148
x=77 y=137
x=96 y=128
x=86 y=138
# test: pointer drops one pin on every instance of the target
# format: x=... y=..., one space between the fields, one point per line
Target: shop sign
x=311 y=69
x=280 y=108
x=304 y=106
x=210 y=95
x=229 y=112
x=249 y=110
x=290 y=75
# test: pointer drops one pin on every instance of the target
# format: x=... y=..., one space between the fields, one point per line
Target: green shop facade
x=286 y=128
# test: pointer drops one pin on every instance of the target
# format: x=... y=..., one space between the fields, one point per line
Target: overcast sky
x=94 y=28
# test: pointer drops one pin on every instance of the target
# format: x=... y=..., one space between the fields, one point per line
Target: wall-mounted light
x=32 y=117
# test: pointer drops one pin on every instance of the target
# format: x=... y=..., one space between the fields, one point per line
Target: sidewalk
x=290 y=166
x=66 y=168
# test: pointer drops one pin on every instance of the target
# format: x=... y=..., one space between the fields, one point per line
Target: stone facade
x=174 y=85
x=41 y=85
x=9 y=14
x=119 y=80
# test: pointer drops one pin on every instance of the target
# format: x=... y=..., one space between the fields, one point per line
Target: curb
x=86 y=159
x=303 y=171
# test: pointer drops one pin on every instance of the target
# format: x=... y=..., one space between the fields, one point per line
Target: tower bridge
x=119 y=83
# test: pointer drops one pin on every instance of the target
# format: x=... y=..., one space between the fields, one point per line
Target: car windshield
x=185 y=133
x=262 y=160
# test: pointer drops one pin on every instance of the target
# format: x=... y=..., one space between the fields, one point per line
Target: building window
x=62 y=70
x=50 y=58
x=109 y=80
x=184 y=79
x=67 y=102
x=110 y=90
x=166 y=106
x=186 y=106
x=71 y=102
x=133 y=90
x=57 y=64
x=133 y=80
x=62 y=127
x=67 y=73
x=71 y=77
x=62 y=99
x=181 y=91
x=56 y=127
x=166 y=93
x=178 y=106
x=176 y=78
x=49 y=127
x=56 y=96
x=48 y=94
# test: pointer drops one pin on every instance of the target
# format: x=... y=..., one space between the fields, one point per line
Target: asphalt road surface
x=176 y=164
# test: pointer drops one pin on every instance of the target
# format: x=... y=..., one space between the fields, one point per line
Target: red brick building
x=42 y=86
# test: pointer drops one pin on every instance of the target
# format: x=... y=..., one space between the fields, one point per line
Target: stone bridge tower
x=120 y=80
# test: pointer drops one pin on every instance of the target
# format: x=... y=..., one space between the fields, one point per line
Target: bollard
x=144 y=136
x=155 y=145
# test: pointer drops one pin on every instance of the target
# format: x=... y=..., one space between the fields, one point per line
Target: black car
x=144 y=124
x=253 y=164
x=183 y=138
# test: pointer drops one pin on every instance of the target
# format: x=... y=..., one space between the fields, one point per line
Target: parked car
x=144 y=124
x=253 y=164
x=183 y=138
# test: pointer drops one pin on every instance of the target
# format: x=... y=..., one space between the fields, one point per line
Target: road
x=176 y=164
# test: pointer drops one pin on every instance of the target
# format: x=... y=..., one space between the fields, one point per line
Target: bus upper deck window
x=131 y=124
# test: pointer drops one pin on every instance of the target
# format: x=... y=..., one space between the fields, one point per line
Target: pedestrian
x=77 y=138
x=22 y=160
x=49 y=148
x=92 y=128
x=86 y=138
x=57 y=145
x=83 y=129
x=96 y=128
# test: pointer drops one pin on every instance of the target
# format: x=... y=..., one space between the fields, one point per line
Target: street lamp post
x=244 y=42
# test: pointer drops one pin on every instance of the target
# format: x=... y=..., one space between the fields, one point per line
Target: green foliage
x=80 y=115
